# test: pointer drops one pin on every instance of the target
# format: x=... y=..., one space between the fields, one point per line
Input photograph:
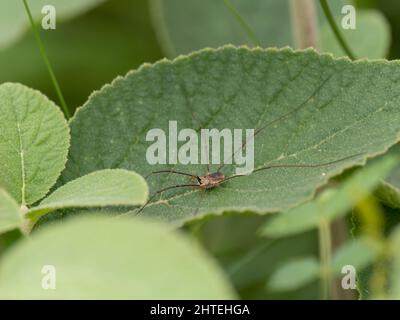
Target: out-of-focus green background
x=91 y=48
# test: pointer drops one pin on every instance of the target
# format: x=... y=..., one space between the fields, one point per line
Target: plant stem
x=243 y=23
x=326 y=257
x=304 y=23
x=46 y=61
x=335 y=30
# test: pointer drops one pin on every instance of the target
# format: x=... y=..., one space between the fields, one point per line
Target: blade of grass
x=335 y=29
x=46 y=61
x=242 y=22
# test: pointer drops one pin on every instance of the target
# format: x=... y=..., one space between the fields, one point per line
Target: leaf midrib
x=22 y=159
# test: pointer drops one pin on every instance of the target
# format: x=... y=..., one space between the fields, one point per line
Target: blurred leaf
x=103 y=258
x=34 y=141
x=394 y=290
x=328 y=110
x=250 y=260
x=295 y=274
x=389 y=189
x=82 y=60
x=186 y=26
x=14 y=19
x=370 y=39
x=331 y=204
x=10 y=216
x=358 y=253
x=301 y=271
x=97 y=189
x=9 y=239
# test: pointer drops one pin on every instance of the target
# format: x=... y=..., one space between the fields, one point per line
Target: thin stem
x=326 y=257
x=46 y=61
x=242 y=22
x=335 y=29
x=304 y=23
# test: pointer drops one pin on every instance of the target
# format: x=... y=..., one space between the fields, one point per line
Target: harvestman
x=212 y=180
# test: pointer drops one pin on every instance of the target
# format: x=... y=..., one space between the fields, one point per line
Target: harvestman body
x=215 y=179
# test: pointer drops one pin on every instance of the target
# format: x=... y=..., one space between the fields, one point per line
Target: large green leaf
x=34 y=141
x=97 y=189
x=328 y=110
x=331 y=204
x=10 y=216
x=103 y=258
x=14 y=19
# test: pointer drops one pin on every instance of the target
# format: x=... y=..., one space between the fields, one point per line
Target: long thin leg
x=171 y=171
x=272 y=166
x=199 y=203
x=165 y=189
x=284 y=116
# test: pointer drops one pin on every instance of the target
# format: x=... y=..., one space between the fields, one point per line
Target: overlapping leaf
x=97 y=189
x=34 y=141
x=10 y=216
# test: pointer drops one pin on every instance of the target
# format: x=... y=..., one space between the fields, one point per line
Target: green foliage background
x=228 y=248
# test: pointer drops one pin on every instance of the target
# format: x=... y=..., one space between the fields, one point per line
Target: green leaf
x=328 y=109
x=370 y=39
x=250 y=260
x=358 y=253
x=295 y=274
x=332 y=203
x=103 y=258
x=389 y=189
x=394 y=289
x=97 y=189
x=10 y=216
x=14 y=20
x=34 y=142
x=185 y=26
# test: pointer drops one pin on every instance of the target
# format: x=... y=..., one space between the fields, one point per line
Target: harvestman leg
x=284 y=116
x=165 y=189
x=293 y=166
